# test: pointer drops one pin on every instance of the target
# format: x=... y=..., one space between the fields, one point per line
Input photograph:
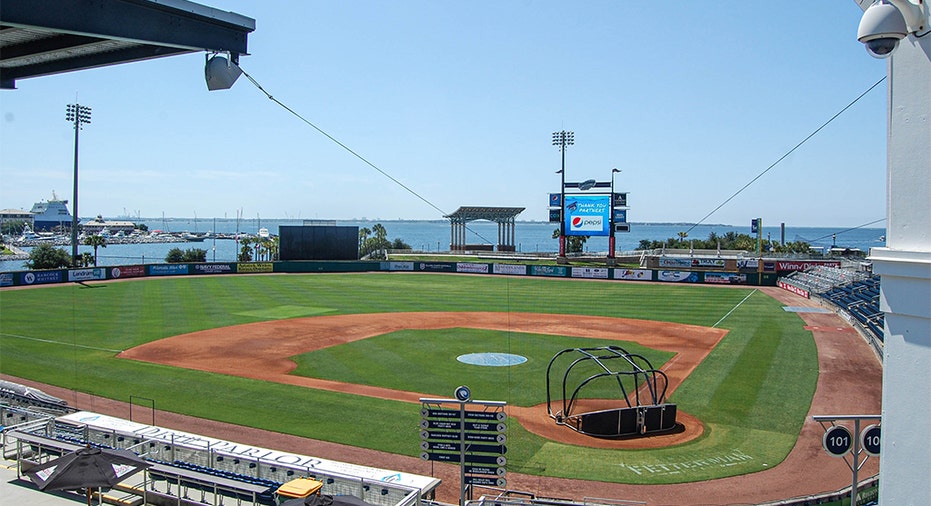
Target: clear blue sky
x=458 y=100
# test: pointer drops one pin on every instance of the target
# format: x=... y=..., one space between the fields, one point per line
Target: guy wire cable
x=347 y=148
x=783 y=157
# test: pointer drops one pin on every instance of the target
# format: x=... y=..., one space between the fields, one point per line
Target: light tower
x=562 y=139
x=79 y=115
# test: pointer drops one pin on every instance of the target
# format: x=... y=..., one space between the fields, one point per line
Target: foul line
x=734 y=308
x=59 y=342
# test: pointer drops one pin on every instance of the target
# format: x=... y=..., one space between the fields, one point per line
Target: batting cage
x=607 y=392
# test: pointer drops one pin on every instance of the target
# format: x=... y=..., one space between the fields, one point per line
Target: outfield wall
x=45 y=277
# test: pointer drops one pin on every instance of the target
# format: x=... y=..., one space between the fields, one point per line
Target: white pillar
x=905 y=290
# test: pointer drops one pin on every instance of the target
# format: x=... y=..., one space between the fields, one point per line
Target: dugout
x=318 y=242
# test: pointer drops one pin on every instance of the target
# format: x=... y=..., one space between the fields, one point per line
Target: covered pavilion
x=503 y=216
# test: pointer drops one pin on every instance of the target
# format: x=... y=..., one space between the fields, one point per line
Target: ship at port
x=51 y=215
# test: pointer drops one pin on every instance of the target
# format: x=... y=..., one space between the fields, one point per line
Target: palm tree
x=95 y=241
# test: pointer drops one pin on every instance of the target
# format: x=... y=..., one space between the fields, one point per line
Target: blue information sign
x=588 y=215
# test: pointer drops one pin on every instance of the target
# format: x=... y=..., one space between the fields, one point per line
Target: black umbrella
x=87 y=468
x=326 y=500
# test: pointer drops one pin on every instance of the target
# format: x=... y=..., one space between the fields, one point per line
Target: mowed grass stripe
x=158 y=308
x=425 y=361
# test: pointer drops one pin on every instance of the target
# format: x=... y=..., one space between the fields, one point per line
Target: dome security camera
x=881 y=28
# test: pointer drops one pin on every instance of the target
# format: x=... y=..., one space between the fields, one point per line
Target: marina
x=219 y=237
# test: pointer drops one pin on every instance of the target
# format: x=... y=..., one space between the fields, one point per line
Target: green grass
x=752 y=392
x=426 y=362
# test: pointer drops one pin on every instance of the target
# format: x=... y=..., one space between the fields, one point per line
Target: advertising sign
x=678 y=276
x=470 y=267
x=213 y=268
x=510 y=269
x=590 y=272
x=588 y=215
x=127 y=271
x=620 y=199
x=725 y=278
x=168 y=270
x=555 y=199
x=620 y=215
x=554 y=215
x=634 y=274
x=87 y=274
x=42 y=277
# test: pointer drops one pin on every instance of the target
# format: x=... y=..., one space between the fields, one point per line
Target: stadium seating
x=854 y=292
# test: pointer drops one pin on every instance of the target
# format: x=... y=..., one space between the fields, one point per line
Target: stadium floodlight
x=562 y=139
x=79 y=115
x=220 y=73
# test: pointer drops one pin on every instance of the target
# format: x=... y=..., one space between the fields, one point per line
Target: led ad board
x=588 y=215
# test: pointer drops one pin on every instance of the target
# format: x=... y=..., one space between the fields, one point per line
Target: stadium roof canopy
x=497 y=214
x=503 y=216
x=45 y=37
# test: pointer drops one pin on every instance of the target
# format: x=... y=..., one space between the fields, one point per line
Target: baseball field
x=343 y=358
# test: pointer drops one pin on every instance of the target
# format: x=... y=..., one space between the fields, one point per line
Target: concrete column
x=905 y=291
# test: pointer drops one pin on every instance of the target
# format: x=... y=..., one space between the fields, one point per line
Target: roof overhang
x=46 y=37
x=470 y=213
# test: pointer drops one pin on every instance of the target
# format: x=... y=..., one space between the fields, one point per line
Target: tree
x=95 y=241
x=179 y=256
x=245 y=251
x=195 y=255
x=46 y=256
x=369 y=246
x=574 y=243
x=399 y=244
x=86 y=259
x=174 y=256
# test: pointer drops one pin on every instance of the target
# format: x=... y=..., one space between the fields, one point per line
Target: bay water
x=434 y=236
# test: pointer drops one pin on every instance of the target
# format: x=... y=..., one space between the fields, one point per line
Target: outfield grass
x=752 y=392
x=425 y=361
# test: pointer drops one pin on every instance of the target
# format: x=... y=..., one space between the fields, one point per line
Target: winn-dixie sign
x=802 y=265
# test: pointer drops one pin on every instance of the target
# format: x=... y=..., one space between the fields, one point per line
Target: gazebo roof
x=470 y=213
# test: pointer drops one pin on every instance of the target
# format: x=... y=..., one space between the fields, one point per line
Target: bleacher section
x=856 y=293
x=198 y=470
x=860 y=299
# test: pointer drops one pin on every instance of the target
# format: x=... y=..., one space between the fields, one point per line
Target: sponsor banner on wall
x=397 y=266
x=588 y=215
x=519 y=270
x=168 y=270
x=547 y=270
x=590 y=272
x=725 y=278
x=127 y=271
x=470 y=267
x=214 y=268
x=436 y=267
x=87 y=274
x=748 y=263
x=802 y=265
x=678 y=276
x=675 y=262
x=794 y=289
x=634 y=274
x=6 y=279
x=707 y=262
x=42 y=277
x=255 y=267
